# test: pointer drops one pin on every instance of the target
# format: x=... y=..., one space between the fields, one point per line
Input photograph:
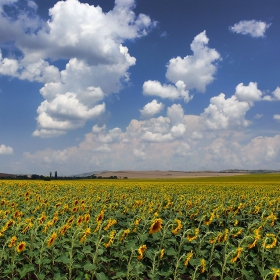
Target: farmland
x=196 y=228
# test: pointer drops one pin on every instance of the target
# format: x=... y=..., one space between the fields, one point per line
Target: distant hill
x=171 y=173
x=6 y=175
x=88 y=174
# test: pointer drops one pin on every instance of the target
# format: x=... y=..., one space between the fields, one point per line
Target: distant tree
x=55 y=175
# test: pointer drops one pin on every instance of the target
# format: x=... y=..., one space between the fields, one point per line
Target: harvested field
x=164 y=174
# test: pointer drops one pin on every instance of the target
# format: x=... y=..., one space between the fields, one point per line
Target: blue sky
x=139 y=85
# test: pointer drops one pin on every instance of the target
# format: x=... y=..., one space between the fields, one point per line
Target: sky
x=139 y=85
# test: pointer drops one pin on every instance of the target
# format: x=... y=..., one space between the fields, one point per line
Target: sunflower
x=86 y=233
x=21 y=246
x=10 y=223
x=193 y=237
x=203 y=265
x=64 y=229
x=272 y=218
x=111 y=222
x=273 y=241
x=136 y=223
x=225 y=235
x=208 y=222
x=161 y=253
x=71 y=220
x=189 y=256
x=17 y=214
x=29 y=226
x=238 y=253
x=80 y=220
x=125 y=233
x=141 y=251
x=110 y=242
x=100 y=217
x=52 y=239
x=48 y=224
x=276 y=273
x=237 y=233
x=87 y=217
x=156 y=226
x=43 y=218
x=178 y=228
x=12 y=242
x=257 y=237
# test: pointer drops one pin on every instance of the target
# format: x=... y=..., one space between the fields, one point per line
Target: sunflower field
x=122 y=229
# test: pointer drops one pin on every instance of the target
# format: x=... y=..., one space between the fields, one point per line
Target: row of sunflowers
x=139 y=230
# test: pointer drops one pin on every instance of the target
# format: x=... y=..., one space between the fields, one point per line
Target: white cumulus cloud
x=223 y=113
x=6 y=150
x=92 y=43
x=139 y=155
x=276 y=93
x=249 y=93
x=250 y=27
x=191 y=72
x=276 y=117
x=197 y=70
x=151 y=109
x=155 y=88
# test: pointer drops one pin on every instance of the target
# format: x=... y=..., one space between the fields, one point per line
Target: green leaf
x=156 y=236
x=27 y=268
x=150 y=254
x=165 y=273
x=46 y=261
x=204 y=253
x=172 y=240
x=246 y=273
x=41 y=276
x=143 y=237
x=101 y=276
x=64 y=259
x=119 y=275
x=171 y=252
x=194 y=262
x=58 y=276
x=154 y=277
x=100 y=251
x=89 y=266
x=87 y=276
x=77 y=265
x=216 y=272
x=87 y=249
x=131 y=244
x=265 y=272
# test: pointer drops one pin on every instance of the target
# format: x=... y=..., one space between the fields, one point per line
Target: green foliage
x=140 y=230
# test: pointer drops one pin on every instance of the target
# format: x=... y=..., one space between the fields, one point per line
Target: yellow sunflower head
x=156 y=226
x=21 y=246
